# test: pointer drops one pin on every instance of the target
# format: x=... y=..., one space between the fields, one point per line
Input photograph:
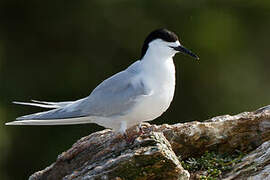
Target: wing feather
x=113 y=97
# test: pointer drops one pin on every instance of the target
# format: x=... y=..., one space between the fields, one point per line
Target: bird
x=141 y=92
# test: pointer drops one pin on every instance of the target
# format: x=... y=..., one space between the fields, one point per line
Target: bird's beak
x=185 y=51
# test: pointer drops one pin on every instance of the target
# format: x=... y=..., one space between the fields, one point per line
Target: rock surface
x=104 y=155
x=255 y=165
x=153 y=154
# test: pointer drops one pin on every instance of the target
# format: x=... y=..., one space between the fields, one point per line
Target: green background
x=61 y=50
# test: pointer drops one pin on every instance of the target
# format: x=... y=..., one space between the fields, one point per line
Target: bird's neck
x=161 y=67
x=159 y=73
x=156 y=59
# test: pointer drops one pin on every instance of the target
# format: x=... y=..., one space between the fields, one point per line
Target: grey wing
x=114 y=96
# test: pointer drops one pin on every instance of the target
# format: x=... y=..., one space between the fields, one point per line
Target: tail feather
x=59 y=104
x=61 y=113
x=80 y=120
x=37 y=104
x=44 y=104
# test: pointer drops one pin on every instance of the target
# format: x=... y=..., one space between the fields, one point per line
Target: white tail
x=44 y=104
x=80 y=120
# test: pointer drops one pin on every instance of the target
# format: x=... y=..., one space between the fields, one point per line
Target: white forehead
x=174 y=44
x=162 y=42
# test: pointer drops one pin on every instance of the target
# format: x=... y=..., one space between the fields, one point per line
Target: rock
x=244 y=132
x=104 y=155
x=153 y=154
x=255 y=165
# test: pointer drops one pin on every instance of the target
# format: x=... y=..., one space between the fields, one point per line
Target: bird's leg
x=140 y=128
x=123 y=131
x=123 y=127
x=125 y=135
x=129 y=137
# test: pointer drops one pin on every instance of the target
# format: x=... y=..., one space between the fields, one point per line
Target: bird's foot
x=129 y=138
x=131 y=134
x=139 y=129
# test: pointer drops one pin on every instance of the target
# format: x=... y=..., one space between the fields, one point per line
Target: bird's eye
x=172 y=47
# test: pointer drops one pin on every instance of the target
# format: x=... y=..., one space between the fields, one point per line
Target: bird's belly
x=151 y=107
x=154 y=106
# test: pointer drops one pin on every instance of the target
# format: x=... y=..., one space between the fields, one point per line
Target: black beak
x=185 y=51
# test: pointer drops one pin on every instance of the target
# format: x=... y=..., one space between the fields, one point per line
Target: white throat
x=156 y=56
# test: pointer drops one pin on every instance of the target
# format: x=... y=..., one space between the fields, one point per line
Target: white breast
x=160 y=79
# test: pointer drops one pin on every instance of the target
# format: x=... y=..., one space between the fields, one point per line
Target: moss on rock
x=211 y=165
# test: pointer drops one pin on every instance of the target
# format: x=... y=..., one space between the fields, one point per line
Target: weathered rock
x=106 y=155
x=244 y=131
x=255 y=165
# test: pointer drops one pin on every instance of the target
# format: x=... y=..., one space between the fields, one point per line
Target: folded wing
x=113 y=97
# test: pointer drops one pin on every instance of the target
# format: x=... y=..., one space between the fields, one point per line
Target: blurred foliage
x=61 y=50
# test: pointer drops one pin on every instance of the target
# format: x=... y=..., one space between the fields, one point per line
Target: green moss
x=211 y=165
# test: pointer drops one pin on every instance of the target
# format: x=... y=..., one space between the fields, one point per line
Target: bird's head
x=164 y=43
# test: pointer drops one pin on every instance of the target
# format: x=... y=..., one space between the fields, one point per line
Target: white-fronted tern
x=142 y=92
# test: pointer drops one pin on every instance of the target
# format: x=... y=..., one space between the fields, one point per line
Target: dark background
x=61 y=50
